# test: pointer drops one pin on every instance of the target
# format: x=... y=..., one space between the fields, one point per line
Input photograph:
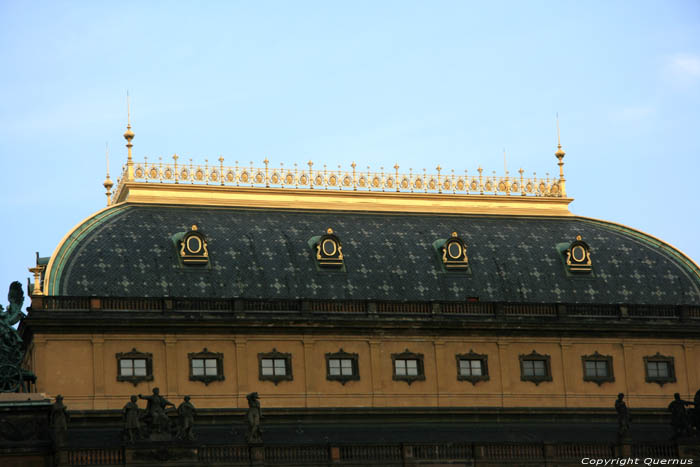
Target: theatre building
x=392 y=317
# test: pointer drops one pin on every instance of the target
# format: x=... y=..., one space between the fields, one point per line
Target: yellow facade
x=84 y=369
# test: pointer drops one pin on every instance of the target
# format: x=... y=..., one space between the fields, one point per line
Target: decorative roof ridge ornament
x=281 y=177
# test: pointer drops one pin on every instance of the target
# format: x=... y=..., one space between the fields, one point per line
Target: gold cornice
x=336 y=200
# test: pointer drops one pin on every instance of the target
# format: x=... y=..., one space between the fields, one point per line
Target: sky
x=378 y=83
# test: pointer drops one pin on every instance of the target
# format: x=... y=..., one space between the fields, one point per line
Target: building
x=433 y=317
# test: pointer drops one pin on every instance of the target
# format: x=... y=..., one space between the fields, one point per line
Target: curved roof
x=127 y=250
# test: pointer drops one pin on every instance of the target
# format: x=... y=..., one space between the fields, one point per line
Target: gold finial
x=329 y=231
x=128 y=136
x=454 y=234
x=560 y=155
x=194 y=226
x=578 y=237
x=108 y=182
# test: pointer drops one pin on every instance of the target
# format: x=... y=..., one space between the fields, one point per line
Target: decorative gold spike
x=108 y=182
x=128 y=136
x=329 y=231
x=560 y=155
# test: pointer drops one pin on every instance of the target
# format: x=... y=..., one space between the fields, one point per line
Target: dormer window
x=578 y=257
x=328 y=250
x=453 y=253
x=193 y=248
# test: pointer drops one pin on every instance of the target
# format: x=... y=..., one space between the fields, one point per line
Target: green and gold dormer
x=520 y=248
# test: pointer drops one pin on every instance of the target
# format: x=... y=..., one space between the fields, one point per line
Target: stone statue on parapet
x=13 y=377
x=132 y=424
x=59 y=420
x=695 y=419
x=680 y=421
x=623 y=419
x=157 y=421
x=186 y=412
x=254 y=417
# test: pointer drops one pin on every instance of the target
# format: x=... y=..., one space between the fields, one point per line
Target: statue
x=679 y=417
x=254 y=416
x=59 y=420
x=185 y=413
x=12 y=315
x=623 y=418
x=156 y=419
x=695 y=419
x=132 y=426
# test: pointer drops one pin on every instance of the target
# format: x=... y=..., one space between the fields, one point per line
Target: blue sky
x=418 y=83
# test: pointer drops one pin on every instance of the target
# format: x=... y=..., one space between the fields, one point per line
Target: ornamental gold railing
x=355 y=179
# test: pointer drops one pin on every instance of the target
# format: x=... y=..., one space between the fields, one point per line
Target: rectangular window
x=408 y=366
x=342 y=366
x=657 y=369
x=660 y=369
x=597 y=368
x=275 y=366
x=206 y=366
x=472 y=367
x=134 y=366
x=535 y=367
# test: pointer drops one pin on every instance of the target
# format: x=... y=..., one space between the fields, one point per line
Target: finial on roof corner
x=560 y=155
x=128 y=136
x=108 y=184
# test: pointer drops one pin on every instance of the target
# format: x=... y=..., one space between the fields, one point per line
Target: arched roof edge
x=65 y=246
x=686 y=261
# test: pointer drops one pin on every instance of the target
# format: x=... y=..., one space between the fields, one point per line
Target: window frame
x=483 y=358
x=287 y=357
x=596 y=357
x=135 y=355
x=343 y=355
x=205 y=354
x=534 y=356
x=408 y=355
x=660 y=380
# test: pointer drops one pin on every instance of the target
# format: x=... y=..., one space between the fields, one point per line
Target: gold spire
x=560 y=155
x=108 y=182
x=128 y=136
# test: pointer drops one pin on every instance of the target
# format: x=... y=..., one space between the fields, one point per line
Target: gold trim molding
x=337 y=200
